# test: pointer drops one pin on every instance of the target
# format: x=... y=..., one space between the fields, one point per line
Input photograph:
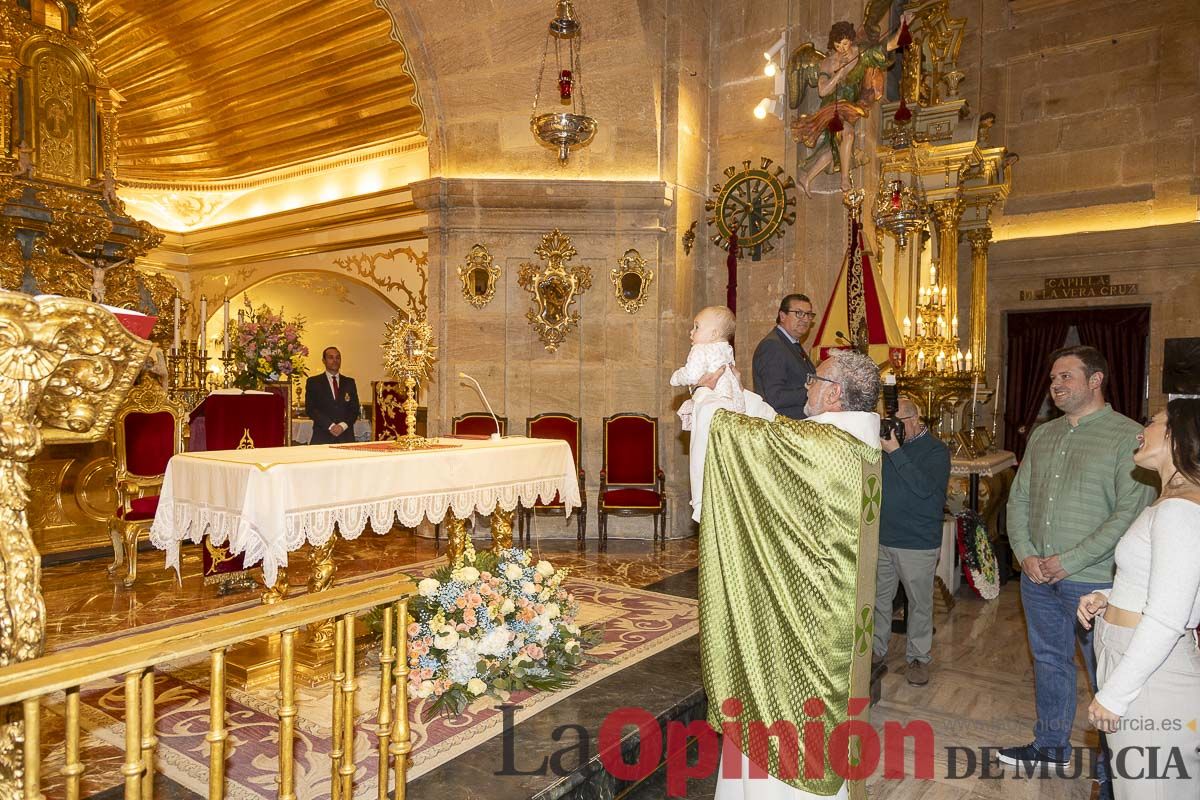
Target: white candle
x=203 y=323
x=920 y=327
x=225 y=330
x=920 y=360
x=954 y=322
x=968 y=361
x=907 y=326
x=175 y=346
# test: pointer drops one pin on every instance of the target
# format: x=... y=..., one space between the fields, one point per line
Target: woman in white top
x=1147 y=661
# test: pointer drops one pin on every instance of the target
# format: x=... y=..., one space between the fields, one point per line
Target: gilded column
x=980 y=238
x=947 y=213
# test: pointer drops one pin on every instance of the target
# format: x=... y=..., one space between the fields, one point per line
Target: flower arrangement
x=489 y=625
x=979 y=564
x=267 y=347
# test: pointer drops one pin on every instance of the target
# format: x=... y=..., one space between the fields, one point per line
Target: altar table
x=269 y=502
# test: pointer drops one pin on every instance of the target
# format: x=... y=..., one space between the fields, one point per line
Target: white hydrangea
x=476 y=686
x=528 y=588
x=495 y=642
x=552 y=610
x=468 y=575
x=545 y=568
x=425 y=689
x=428 y=587
x=513 y=571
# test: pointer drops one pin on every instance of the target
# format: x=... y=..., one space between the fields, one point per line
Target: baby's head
x=713 y=324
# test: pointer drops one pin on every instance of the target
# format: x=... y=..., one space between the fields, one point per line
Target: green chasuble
x=788 y=543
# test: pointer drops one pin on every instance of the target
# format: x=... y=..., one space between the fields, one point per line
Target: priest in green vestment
x=788 y=538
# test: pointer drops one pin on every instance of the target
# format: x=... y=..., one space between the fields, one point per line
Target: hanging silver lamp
x=568 y=127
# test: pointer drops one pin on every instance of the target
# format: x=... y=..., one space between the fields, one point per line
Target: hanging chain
x=578 y=67
x=537 y=89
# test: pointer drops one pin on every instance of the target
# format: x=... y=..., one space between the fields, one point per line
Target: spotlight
x=760 y=110
x=770 y=69
x=775 y=48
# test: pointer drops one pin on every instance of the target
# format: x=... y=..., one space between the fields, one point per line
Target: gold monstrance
x=408 y=355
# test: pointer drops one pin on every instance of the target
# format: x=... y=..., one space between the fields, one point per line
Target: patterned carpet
x=637 y=624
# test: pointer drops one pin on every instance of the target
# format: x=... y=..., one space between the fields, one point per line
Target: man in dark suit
x=781 y=367
x=331 y=401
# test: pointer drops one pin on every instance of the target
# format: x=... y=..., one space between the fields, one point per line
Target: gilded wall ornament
x=367 y=266
x=631 y=280
x=689 y=238
x=479 y=276
x=555 y=288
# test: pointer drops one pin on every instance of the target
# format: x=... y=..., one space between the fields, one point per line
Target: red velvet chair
x=631 y=482
x=477 y=423
x=149 y=428
x=388 y=421
x=570 y=430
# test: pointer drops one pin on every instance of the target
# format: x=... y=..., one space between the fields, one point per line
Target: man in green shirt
x=1074 y=496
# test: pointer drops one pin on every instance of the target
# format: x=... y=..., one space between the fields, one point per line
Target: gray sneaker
x=918 y=673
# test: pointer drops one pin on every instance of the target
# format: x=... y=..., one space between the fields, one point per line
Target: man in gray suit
x=781 y=367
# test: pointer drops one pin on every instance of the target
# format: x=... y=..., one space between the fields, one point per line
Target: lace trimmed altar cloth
x=267 y=502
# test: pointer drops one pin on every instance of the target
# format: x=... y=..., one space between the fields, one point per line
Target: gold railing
x=136 y=656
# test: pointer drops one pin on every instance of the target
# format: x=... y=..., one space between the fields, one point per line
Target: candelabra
x=935 y=371
x=187 y=368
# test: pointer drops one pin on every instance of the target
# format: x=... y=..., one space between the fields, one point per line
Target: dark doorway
x=1122 y=334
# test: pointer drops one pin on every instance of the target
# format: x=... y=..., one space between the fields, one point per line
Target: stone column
x=980 y=238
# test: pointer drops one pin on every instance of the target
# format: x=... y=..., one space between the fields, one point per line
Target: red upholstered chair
x=477 y=423
x=387 y=412
x=631 y=482
x=149 y=429
x=570 y=430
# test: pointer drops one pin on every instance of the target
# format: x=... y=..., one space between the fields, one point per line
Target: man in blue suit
x=781 y=367
x=331 y=401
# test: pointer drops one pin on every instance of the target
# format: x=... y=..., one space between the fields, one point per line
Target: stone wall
x=1101 y=100
x=1163 y=261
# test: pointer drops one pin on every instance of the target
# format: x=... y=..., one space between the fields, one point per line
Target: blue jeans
x=1053 y=633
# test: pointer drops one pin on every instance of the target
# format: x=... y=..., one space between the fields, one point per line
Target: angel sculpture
x=849 y=81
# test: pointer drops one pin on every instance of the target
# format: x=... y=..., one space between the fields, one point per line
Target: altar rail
x=135 y=657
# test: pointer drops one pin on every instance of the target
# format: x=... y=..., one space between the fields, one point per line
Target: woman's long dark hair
x=1183 y=426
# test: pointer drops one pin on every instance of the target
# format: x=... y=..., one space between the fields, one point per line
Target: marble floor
x=980 y=693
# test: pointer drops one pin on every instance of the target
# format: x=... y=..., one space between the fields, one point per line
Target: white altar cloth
x=266 y=503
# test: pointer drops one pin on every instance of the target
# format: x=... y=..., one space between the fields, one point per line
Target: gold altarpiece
x=64 y=231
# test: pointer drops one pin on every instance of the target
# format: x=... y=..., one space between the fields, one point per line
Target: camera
x=890 y=425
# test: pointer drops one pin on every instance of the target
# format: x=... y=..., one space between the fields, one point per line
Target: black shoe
x=1035 y=756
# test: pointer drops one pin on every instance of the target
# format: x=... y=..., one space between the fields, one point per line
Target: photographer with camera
x=916 y=469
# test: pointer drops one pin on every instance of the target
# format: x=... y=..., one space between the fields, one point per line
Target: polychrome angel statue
x=849 y=81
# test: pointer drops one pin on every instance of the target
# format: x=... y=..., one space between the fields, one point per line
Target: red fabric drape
x=1031 y=339
x=1120 y=334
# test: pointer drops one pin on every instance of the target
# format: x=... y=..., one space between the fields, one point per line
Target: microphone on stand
x=842 y=337
x=495 y=437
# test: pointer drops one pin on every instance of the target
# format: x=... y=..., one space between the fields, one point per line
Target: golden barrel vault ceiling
x=219 y=89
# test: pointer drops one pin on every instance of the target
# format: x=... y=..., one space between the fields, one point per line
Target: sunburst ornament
x=408 y=355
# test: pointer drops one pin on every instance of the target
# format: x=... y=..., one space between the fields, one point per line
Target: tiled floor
x=980 y=694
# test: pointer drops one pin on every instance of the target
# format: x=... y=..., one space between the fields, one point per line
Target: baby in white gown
x=711 y=331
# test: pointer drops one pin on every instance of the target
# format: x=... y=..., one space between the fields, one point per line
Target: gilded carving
x=479 y=276
x=55 y=101
x=555 y=289
x=41 y=341
x=631 y=280
x=367 y=266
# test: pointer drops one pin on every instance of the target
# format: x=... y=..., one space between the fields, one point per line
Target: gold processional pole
x=65 y=367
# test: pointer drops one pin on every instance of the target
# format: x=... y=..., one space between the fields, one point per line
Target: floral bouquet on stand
x=489 y=625
x=266 y=347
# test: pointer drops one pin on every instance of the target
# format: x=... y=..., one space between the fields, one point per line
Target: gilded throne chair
x=631 y=482
x=570 y=430
x=149 y=429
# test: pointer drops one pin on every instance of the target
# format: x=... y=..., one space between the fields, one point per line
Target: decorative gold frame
x=479 y=267
x=555 y=288
x=632 y=266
